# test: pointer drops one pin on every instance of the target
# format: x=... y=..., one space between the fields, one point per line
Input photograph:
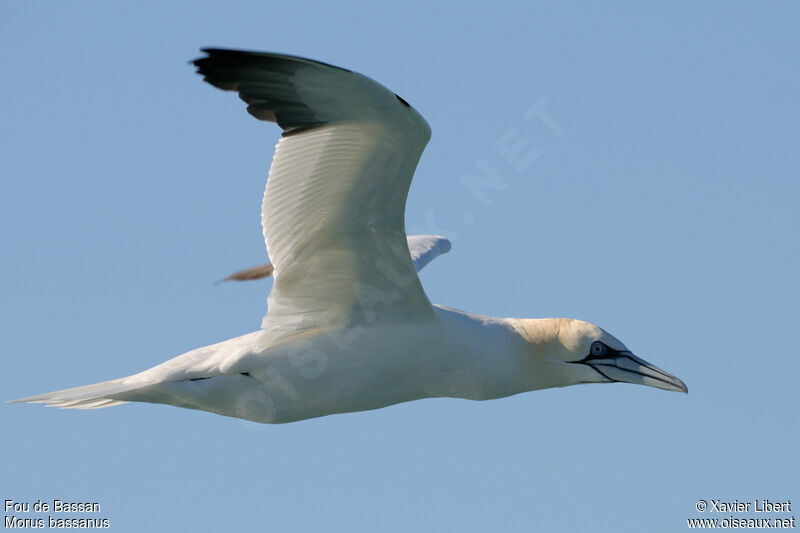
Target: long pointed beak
x=623 y=366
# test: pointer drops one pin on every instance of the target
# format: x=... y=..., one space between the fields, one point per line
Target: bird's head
x=580 y=352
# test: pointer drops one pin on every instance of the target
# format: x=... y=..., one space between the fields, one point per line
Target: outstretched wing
x=333 y=209
x=426 y=248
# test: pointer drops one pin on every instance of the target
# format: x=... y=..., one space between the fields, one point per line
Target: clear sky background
x=659 y=199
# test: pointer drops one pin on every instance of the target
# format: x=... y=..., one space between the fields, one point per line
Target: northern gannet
x=349 y=327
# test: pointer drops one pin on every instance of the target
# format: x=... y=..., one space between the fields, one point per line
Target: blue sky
x=657 y=197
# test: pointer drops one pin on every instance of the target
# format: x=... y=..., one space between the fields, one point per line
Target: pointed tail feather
x=94 y=396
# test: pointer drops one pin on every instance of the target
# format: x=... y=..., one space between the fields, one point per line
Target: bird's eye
x=598 y=348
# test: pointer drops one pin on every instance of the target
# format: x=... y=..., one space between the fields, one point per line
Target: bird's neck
x=502 y=356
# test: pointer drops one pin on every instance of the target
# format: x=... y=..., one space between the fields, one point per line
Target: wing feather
x=333 y=209
x=423 y=250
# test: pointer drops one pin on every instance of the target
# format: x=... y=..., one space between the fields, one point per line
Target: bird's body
x=349 y=327
x=265 y=378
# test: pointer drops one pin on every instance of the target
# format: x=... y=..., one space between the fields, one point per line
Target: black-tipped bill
x=624 y=367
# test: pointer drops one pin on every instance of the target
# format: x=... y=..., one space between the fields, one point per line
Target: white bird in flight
x=349 y=327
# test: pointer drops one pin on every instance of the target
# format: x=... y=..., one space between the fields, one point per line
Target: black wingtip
x=267 y=82
x=233 y=54
x=402 y=101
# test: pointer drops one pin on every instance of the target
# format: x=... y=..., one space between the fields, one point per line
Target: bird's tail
x=94 y=396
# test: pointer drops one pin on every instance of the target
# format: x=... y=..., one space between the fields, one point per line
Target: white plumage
x=348 y=325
